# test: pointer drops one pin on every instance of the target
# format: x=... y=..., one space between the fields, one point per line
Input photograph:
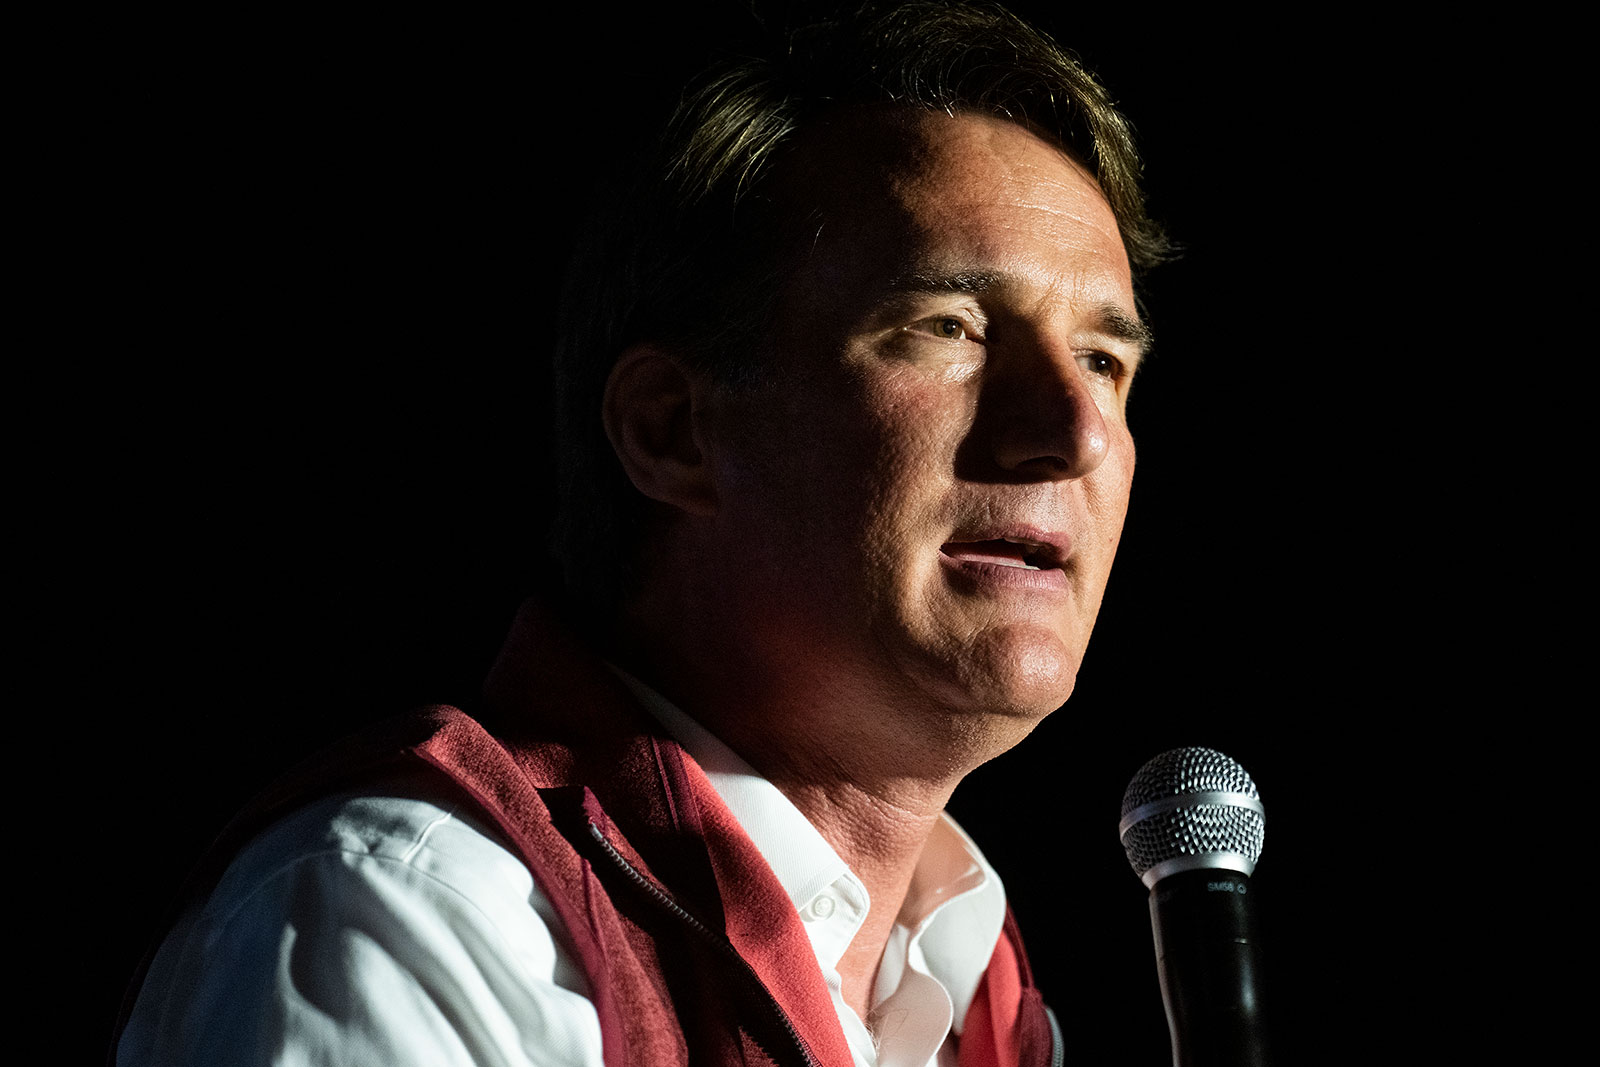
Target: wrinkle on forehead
x=882 y=196
x=911 y=170
x=974 y=162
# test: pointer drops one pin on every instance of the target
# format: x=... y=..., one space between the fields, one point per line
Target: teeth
x=985 y=552
x=1031 y=547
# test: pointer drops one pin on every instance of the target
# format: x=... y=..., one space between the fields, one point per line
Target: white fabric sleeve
x=381 y=930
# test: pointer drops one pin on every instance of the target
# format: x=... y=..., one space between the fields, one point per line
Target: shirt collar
x=804 y=863
x=955 y=907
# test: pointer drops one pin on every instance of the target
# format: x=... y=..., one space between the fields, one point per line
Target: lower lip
x=998 y=576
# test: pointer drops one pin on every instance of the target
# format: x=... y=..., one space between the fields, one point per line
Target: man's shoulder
x=411 y=824
x=383 y=916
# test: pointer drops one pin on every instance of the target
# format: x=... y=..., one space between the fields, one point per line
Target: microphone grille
x=1189 y=808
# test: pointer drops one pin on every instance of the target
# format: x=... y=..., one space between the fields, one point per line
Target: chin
x=1019 y=675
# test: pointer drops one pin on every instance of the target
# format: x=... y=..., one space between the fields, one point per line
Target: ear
x=650 y=408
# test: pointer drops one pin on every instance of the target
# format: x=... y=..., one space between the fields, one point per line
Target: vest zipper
x=1058 y=1046
x=664 y=900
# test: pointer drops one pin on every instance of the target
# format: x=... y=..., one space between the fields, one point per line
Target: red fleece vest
x=692 y=950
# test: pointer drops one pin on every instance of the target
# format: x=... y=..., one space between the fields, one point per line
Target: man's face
x=924 y=505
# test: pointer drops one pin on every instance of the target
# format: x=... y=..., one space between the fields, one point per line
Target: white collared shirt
x=393 y=927
x=942 y=939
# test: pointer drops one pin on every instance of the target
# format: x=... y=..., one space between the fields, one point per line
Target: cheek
x=1107 y=491
x=916 y=427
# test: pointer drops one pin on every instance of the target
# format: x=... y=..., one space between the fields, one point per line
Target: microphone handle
x=1207 y=957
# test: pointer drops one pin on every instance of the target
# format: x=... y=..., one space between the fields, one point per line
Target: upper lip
x=1046 y=548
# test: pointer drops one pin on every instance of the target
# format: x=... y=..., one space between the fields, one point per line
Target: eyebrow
x=1110 y=319
x=1119 y=324
x=961 y=281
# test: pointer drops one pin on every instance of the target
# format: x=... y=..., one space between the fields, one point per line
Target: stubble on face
x=938 y=406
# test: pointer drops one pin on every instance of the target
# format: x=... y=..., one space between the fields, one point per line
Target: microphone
x=1192 y=825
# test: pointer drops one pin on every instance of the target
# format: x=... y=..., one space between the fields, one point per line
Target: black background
x=317 y=476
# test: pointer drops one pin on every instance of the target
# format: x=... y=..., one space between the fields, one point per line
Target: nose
x=1043 y=420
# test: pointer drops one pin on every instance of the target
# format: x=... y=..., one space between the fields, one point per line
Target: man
x=844 y=397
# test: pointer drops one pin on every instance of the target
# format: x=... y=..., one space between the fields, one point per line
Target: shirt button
x=822 y=907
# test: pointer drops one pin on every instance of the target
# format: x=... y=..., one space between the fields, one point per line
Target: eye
x=1100 y=363
x=947 y=327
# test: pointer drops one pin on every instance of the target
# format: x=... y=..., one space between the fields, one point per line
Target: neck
x=881 y=841
x=870 y=768
x=868 y=796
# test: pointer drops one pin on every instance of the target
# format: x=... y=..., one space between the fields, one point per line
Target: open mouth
x=1004 y=552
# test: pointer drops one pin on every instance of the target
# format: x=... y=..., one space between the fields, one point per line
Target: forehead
x=897 y=193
